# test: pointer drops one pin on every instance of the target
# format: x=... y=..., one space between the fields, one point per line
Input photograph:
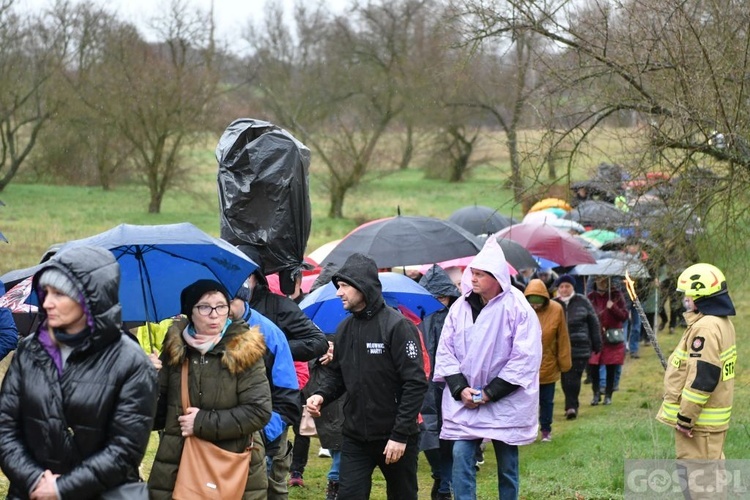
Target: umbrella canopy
x=325 y=309
x=550 y=218
x=462 y=262
x=548 y=242
x=15 y=298
x=157 y=262
x=516 y=255
x=320 y=253
x=478 y=219
x=404 y=241
x=610 y=266
x=598 y=237
x=550 y=203
x=598 y=213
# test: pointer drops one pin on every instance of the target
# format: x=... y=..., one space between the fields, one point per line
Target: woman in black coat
x=78 y=400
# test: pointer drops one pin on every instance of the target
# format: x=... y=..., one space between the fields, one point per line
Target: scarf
x=201 y=342
x=566 y=300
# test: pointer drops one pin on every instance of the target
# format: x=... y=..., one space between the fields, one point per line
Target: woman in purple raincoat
x=489 y=356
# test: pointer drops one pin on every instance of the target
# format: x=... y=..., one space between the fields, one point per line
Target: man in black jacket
x=378 y=363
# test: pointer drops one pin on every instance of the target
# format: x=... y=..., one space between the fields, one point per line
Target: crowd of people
x=81 y=397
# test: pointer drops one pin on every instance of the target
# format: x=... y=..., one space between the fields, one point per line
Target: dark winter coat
x=331 y=421
x=439 y=284
x=583 y=327
x=611 y=354
x=306 y=341
x=91 y=424
x=230 y=387
x=377 y=360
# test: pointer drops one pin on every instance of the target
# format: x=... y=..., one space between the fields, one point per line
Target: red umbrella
x=546 y=241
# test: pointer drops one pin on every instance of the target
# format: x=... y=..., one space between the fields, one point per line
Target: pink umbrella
x=461 y=262
x=548 y=242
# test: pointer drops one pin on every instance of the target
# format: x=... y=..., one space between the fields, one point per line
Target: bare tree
x=678 y=66
x=156 y=97
x=28 y=65
x=339 y=83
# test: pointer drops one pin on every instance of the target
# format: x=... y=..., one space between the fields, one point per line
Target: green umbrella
x=599 y=237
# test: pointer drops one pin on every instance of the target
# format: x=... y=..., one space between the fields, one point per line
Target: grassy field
x=585 y=458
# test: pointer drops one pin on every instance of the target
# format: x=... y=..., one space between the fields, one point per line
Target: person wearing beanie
x=585 y=338
x=228 y=388
x=377 y=354
x=699 y=380
x=80 y=395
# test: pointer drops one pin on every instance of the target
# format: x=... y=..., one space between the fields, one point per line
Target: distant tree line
x=381 y=86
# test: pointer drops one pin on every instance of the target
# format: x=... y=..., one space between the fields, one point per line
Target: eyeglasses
x=206 y=310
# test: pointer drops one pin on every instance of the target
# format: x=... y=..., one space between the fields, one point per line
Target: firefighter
x=699 y=381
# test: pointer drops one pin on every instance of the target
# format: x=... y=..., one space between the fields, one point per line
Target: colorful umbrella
x=325 y=309
x=548 y=242
x=157 y=262
x=609 y=266
x=599 y=237
x=550 y=203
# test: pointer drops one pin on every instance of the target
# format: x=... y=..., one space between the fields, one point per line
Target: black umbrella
x=598 y=213
x=478 y=219
x=405 y=241
x=516 y=255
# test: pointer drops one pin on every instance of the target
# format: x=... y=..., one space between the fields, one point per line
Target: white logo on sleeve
x=411 y=349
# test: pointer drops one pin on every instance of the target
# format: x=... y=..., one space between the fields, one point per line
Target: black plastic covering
x=264 y=193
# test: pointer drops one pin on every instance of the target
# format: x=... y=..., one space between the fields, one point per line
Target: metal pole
x=630 y=286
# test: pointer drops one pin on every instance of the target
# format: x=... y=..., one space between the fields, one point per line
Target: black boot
x=608 y=398
x=597 y=397
x=332 y=491
x=435 y=487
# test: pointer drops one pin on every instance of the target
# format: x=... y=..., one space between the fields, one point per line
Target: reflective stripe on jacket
x=699 y=382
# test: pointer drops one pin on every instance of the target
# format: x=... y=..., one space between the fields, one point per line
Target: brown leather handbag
x=207 y=471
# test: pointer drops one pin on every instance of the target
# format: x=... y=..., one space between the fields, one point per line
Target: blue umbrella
x=157 y=262
x=325 y=309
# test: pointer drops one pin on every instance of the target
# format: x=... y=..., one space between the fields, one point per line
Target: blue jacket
x=285 y=396
x=8 y=330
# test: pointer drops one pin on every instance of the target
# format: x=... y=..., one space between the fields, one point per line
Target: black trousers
x=571 y=382
x=358 y=461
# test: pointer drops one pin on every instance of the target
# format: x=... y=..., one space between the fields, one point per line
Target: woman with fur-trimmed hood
x=229 y=392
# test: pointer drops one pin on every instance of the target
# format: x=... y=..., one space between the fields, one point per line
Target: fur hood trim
x=241 y=347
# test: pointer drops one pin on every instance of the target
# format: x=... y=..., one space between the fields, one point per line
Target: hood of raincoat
x=490 y=259
x=438 y=283
x=537 y=287
x=503 y=342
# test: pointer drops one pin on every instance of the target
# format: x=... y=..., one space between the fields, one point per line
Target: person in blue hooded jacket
x=282 y=377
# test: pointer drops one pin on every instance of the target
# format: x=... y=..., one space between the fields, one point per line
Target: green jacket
x=230 y=383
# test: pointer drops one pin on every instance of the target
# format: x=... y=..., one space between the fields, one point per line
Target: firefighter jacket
x=699 y=382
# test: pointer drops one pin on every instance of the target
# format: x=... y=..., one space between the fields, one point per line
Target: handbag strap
x=184 y=395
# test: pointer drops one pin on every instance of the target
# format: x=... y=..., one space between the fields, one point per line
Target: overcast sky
x=232 y=16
